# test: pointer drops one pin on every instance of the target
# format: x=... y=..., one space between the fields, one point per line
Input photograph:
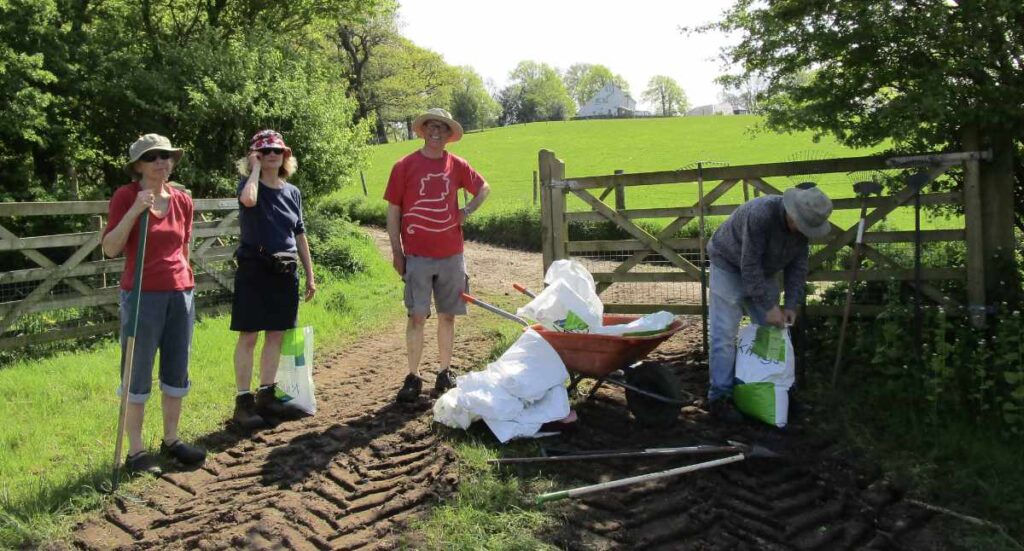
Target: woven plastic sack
x=765 y=371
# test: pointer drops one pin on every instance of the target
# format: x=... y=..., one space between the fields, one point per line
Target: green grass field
x=507 y=158
x=60 y=413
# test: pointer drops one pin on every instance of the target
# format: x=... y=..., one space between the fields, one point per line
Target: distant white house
x=712 y=109
x=610 y=101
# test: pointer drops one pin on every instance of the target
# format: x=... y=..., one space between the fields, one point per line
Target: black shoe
x=723 y=409
x=184 y=453
x=245 y=415
x=142 y=463
x=411 y=389
x=445 y=381
x=269 y=408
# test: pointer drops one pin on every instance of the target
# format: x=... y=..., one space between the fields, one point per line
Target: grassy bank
x=57 y=438
x=507 y=158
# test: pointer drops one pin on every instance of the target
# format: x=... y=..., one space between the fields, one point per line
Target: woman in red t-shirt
x=166 y=309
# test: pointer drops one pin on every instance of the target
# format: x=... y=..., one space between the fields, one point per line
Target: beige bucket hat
x=438 y=114
x=809 y=208
x=150 y=142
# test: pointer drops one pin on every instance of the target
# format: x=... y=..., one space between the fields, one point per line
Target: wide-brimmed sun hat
x=269 y=138
x=150 y=142
x=438 y=114
x=809 y=208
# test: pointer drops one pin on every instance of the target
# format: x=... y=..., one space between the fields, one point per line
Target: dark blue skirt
x=263 y=300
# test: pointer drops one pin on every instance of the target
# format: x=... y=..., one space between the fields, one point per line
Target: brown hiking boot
x=411 y=389
x=445 y=381
x=269 y=408
x=245 y=415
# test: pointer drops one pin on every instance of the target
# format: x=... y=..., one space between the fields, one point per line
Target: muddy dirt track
x=357 y=473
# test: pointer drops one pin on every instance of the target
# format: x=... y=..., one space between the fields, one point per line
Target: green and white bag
x=295 y=370
x=765 y=370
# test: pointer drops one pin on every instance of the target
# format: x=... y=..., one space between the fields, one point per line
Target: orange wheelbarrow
x=652 y=391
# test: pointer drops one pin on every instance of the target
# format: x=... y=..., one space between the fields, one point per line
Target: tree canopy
x=535 y=93
x=915 y=72
x=584 y=80
x=667 y=96
x=471 y=104
x=81 y=80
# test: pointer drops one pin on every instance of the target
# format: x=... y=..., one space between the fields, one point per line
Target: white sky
x=636 y=38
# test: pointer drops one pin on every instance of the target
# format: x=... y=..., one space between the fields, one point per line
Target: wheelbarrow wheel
x=656 y=379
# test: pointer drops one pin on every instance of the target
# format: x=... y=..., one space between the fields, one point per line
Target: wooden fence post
x=620 y=193
x=96 y=223
x=997 y=215
x=362 y=179
x=534 y=187
x=553 y=224
x=974 y=232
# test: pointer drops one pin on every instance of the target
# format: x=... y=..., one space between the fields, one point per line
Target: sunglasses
x=269 y=150
x=150 y=156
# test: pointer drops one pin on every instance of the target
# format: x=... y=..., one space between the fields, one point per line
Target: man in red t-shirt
x=425 y=228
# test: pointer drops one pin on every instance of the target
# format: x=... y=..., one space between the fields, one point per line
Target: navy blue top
x=275 y=220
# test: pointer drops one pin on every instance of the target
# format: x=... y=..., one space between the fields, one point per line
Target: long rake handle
x=133 y=325
x=855 y=260
x=649 y=452
x=576 y=492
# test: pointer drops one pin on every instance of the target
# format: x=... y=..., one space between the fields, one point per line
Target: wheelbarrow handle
x=494 y=309
x=524 y=290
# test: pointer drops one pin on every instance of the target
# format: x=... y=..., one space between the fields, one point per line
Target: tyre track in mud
x=351 y=477
x=816 y=498
x=357 y=473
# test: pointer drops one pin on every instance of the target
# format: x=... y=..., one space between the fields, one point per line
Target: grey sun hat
x=150 y=142
x=438 y=114
x=809 y=208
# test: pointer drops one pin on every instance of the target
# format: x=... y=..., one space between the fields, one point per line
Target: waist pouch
x=284 y=262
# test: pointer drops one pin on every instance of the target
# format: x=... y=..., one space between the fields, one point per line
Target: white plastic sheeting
x=515 y=395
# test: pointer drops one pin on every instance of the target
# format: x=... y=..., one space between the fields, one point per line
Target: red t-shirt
x=427 y=191
x=165 y=267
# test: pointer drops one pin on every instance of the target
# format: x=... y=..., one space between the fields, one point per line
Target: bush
x=334 y=240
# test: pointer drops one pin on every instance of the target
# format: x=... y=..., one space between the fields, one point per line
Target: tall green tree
x=666 y=94
x=82 y=79
x=917 y=72
x=471 y=104
x=584 y=80
x=535 y=93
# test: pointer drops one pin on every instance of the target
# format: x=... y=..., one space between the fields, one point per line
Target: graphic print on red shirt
x=427 y=192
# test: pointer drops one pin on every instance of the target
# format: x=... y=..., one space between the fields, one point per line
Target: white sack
x=554 y=406
x=551 y=307
x=529 y=367
x=482 y=395
x=448 y=413
x=649 y=324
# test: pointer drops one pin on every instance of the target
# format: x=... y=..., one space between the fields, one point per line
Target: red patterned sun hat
x=269 y=138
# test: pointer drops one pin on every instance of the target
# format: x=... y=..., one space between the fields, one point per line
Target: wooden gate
x=658 y=257
x=77 y=294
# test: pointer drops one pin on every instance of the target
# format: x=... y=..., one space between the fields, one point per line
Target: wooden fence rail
x=673 y=255
x=78 y=295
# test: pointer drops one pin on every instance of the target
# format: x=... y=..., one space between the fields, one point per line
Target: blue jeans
x=725 y=309
x=165 y=324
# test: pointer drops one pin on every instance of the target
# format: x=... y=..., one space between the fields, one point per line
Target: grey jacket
x=756 y=243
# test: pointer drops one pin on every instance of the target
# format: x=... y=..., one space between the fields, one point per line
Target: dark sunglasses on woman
x=269 y=150
x=150 y=156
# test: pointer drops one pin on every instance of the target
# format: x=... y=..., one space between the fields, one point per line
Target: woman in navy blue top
x=273 y=243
